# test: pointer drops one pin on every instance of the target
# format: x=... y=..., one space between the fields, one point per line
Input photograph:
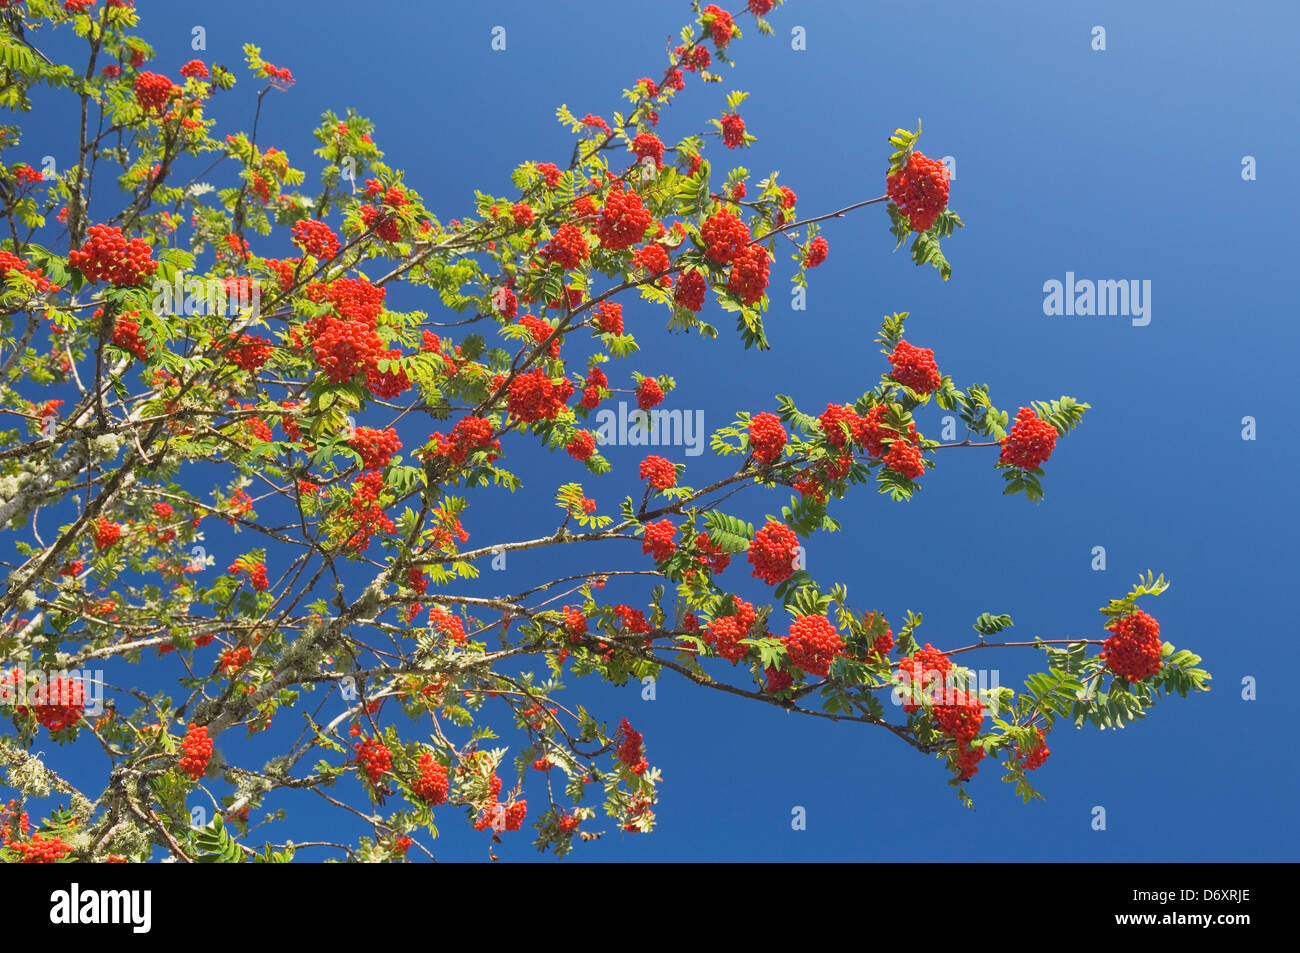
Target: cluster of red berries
x=631 y=751
x=767 y=438
x=534 y=396
x=725 y=236
x=724 y=633
x=374 y=757
x=733 y=131
x=609 y=317
x=813 y=644
x=58 y=703
x=568 y=246
x=448 y=624
x=905 y=458
x=581 y=445
x=749 y=274
x=1033 y=759
x=883 y=643
x=249 y=352
x=660 y=540
x=12 y=264
x=316 y=239
x=707 y=554
x=195 y=69
x=126 y=334
x=107 y=255
x=469 y=435
x=153 y=91
x=691 y=290
x=647 y=145
x=1133 y=651
x=77 y=6
x=1030 y=442
x=197 y=748
x=233 y=659
x=106 y=533
x=430 y=785
x=653 y=259
x=365 y=514
x=623 y=221
x=550 y=173
x=720 y=25
x=649 y=393
x=817 y=252
x=592 y=388
x=920 y=190
x=661 y=473
x=41 y=849
x=375 y=447
x=961 y=720
x=918 y=672
x=632 y=620
x=773 y=552
x=914 y=367
x=574 y=622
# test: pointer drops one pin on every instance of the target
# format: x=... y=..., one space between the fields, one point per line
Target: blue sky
x=1116 y=164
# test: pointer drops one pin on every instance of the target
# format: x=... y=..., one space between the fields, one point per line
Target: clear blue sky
x=1122 y=164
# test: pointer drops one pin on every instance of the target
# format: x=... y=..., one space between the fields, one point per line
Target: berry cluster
x=153 y=91
x=647 y=145
x=623 y=221
x=725 y=236
x=749 y=274
x=534 y=396
x=374 y=757
x=196 y=69
x=733 y=131
x=469 y=435
x=914 y=367
x=724 y=633
x=375 y=447
x=11 y=264
x=197 y=748
x=631 y=751
x=58 y=702
x=767 y=438
x=813 y=644
x=568 y=247
x=106 y=533
x=660 y=540
x=126 y=334
x=649 y=393
x=720 y=24
x=920 y=190
x=1133 y=651
x=430 y=785
x=581 y=445
x=107 y=255
x=661 y=473
x=691 y=290
x=609 y=317
x=918 y=672
x=817 y=252
x=316 y=239
x=1030 y=442
x=1032 y=759
x=772 y=553
x=574 y=622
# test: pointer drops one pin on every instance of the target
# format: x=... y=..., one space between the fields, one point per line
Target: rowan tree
x=175 y=383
